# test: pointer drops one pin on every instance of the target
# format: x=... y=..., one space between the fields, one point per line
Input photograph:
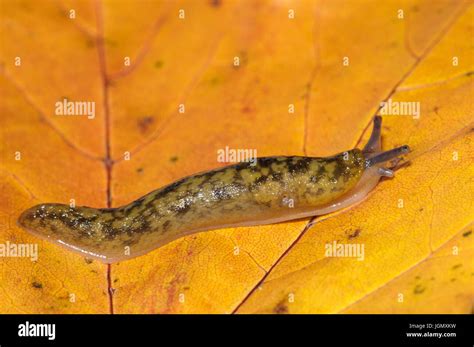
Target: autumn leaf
x=173 y=82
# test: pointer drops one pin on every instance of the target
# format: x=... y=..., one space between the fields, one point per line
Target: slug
x=269 y=190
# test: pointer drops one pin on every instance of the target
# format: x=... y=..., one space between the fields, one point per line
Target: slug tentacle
x=374 y=144
x=269 y=190
x=385 y=172
x=387 y=155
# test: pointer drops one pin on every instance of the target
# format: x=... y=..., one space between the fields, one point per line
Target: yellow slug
x=270 y=190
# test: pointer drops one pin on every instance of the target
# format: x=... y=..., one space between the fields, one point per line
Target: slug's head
x=374 y=162
x=375 y=159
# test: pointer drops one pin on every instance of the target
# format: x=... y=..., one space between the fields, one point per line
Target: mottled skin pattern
x=234 y=195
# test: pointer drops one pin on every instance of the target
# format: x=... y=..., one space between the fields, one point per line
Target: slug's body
x=273 y=189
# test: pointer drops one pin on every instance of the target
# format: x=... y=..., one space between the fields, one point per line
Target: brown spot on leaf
x=246 y=109
x=419 y=289
x=457 y=266
x=215 y=3
x=467 y=233
x=354 y=234
x=144 y=123
x=88 y=260
x=281 y=307
x=214 y=81
x=37 y=285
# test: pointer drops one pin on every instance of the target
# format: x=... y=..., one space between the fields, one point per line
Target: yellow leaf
x=173 y=82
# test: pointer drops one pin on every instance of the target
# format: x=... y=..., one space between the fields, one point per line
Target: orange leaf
x=168 y=95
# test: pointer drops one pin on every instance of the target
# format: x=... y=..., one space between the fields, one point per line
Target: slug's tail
x=373 y=150
x=84 y=230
